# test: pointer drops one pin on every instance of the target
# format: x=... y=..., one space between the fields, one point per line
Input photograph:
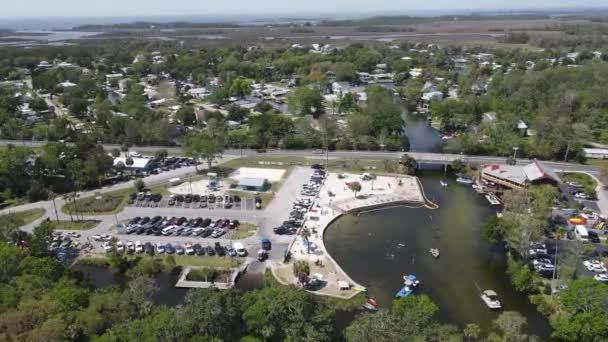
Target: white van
x=240 y=249
x=581 y=233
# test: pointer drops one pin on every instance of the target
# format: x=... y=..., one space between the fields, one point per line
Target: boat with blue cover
x=410 y=285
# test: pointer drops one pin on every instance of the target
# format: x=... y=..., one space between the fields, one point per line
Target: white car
x=130 y=247
x=139 y=247
x=160 y=248
x=107 y=246
x=240 y=249
x=120 y=247
x=580 y=195
x=189 y=249
x=594 y=266
x=601 y=277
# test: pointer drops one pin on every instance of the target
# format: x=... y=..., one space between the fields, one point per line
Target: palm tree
x=355 y=187
x=472 y=330
x=129 y=163
x=53 y=195
x=305 y=236
x=301 y=270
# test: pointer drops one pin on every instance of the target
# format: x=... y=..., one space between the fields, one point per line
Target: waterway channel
x=377 y=248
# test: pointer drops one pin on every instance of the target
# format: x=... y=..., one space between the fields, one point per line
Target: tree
x=240 y=87
x=141 y=290
x=301 y=270
x=409 y=164
x=185 y=115
x=129 y=161
x=384 y=113
x=115 y=153
x=305 y=235
x=510 y=325
x=286 y=314
x=203 y=146
x=161 y=155
x=218 y=322
x=305 y=101
x=139 y=185
x=41 y=238
x=354 y=187
x=381 y=326
x=418 y=311
x=584 y=312
x=471 y=331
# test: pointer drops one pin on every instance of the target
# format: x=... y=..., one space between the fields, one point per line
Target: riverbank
x=335 y=199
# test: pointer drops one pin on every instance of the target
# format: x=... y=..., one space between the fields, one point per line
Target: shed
x=254 y=184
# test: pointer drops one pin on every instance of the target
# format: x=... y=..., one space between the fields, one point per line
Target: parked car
x=219 y=249
x=198 y=249
x=240 y=249
x=160 y=248
x=179 y=250
x=210 y=251
x=139 y=247
x=188 y=248
x=169 y=248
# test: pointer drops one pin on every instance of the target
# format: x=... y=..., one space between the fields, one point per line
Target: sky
x=62 y=8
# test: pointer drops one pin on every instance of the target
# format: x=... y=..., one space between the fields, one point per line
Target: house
x=432 y=95
x=341 y=88
x=111 y=77
x=44 y=65
x=488 y=117
x=67 y=84
x=596 y=153
x=199 y=92
x=139 y=164
x=139 y=59
x=597 y=55
x=522 y=127
x=572 y=56
x=517 y=176
x=415 y=72
x=254 y=184
x=363 y=77
x=233 y=124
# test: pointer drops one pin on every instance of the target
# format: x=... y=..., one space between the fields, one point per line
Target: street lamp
x=515 y=148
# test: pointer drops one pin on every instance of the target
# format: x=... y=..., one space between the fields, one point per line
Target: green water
x=367 y=248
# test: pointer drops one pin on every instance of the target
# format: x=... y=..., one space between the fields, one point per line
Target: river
x=368 y=248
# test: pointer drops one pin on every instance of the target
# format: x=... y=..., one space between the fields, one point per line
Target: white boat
x=464 y=180
x=443 y=183
x=434 y=252
x=491 y=299
x=493 y=199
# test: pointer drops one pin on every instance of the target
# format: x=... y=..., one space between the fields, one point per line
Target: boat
x=410 y=285
x=493 y=199
x=443 y=183
x=491 y=299
x=371 y=305
x=434 y=252
x=464 y=180
x=475 y=186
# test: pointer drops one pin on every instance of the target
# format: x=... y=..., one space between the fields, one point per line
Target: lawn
x=106 y=203
x=207 y=261
x=24 y=217
x=597 y=162
x=75 y=225
x=589 y=184
x=210 y=274
x=244 y=230
x=262 y=162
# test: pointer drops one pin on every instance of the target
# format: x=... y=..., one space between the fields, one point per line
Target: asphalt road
x=437 y=157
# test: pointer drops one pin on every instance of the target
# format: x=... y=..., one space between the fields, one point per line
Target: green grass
x=351 y=304
x=109 y=203
x=24 y=217
x=244 y=230
x=597 y=162
x=100 y=261
x=210 y=274
x=76 y=225
x=265 y=162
